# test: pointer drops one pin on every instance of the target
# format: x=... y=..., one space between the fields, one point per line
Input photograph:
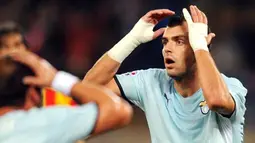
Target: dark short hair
x=176 y=20
x=12 y=89
x=9 y=27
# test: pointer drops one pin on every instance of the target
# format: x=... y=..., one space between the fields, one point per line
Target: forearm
x=97 y=94
x=113 y=112
x=107 y=66
x=83 y=92
x=103 y=71
x=214 y=88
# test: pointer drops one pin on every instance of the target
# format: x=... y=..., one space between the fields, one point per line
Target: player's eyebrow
x=176 y=36
x=181 y=36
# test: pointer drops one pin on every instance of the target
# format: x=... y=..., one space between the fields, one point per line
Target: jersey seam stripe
x=121 y=90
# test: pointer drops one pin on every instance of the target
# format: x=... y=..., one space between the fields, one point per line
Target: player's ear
x=33 y=97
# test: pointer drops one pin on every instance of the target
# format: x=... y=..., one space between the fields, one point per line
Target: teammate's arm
x=113 y=112
x=214 y=88
x=106 y=67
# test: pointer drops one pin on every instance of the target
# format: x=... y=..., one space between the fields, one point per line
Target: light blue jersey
x=60 y=124
x=175 y=119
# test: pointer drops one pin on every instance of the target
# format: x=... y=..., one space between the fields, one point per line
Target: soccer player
x=11 y=37
x=22 y=121
x=189 y=101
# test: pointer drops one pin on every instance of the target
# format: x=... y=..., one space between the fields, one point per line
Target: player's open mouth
x=169 y=61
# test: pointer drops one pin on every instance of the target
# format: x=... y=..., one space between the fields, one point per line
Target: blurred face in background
x=11 y=41
x=8 y=43
x=178 y=56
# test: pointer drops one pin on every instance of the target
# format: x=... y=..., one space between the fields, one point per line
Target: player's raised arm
x=113 y=112
x=214 y=88
x=106 y=67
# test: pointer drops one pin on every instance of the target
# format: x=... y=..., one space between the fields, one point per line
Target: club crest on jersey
x=131 y=73
x=204 y=107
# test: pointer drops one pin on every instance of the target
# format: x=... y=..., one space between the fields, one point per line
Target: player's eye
x=180 y=42
x=164 y=41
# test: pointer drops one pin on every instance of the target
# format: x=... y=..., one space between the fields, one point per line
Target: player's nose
x=168 y=48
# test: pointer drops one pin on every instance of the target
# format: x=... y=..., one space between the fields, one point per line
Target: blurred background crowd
x=73 y=34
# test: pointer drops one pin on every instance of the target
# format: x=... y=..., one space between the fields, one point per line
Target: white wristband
x=64 y=82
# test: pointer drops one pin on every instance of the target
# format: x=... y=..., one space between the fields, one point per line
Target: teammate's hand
x=44 y=71
x=143 y=29
x=198 y=29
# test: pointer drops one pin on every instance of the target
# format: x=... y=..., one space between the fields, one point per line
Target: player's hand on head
x=44 y=71
x=198 y=28
x=143 y=30
x=154 y=16
x=200 y=17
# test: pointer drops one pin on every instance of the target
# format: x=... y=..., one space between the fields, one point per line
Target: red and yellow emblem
x=52 y=97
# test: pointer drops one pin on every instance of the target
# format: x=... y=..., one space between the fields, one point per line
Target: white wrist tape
x=141 y=33
x=123 y=48
x=64 y=82
x=197 y=33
